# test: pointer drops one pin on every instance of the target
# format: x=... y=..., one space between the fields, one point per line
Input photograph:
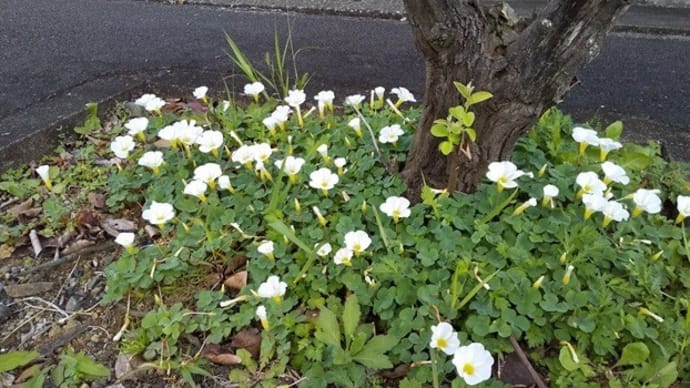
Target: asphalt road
x=51 y=48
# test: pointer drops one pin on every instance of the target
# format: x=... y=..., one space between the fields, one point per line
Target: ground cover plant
x=275 y=237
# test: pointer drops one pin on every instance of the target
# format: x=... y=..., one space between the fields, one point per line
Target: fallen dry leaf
x=87 y=218
x=248 y=339
x=28 y=289
x=237 y=281
x=220 y=355
x=77 y=246
x=97 y=200
x=115 y=226
x=6 y=250
x=20 y=208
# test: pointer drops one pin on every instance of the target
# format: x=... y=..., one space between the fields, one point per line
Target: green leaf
x=372 y=355
x=458 y=112
x=90 y=367
x=446 y=147
x=478 y=97
x=373 y=361
x=351 y=316
x=328 y=330
x=566 y=359
x=380 y=344
x=12 y=360
x=665 y=376
x=468 y=119
x=614 y=130
x=463 y=90
x=633 y=354
x=439 y=130
x=471 y=134
x=476 y=289
x=92 y=121
x=37 y=381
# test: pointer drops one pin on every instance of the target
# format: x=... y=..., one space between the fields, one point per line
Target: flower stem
x=434 y=368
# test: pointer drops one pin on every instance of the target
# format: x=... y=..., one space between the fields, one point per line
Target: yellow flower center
x=324 y=185
x=356 y=247
x=441 y=343
x=468 y=369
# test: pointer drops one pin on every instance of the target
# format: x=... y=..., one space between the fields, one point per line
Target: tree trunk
x=527 y=67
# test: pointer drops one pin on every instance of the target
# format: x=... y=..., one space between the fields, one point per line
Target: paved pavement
x=56 y=55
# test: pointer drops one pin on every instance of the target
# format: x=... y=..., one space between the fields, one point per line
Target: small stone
x=74 y=303
x=28 y=289
x=122 y=365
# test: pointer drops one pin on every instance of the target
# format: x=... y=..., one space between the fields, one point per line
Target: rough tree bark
x=528 y=68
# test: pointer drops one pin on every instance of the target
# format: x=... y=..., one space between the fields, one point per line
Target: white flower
x=209 y=141
x=340 y=162
x=270 y=122
x=186 y=132
x=323 y=179
x=322 y=150
x=200 y=92
x=473 y=363
x=396 y=207
x=150 y=102
x=243 y=155
x=44 y=172
x=403 y=94
x=606 y=145
x=295 y=98
x=324 y=100
x=323 y=249
x=208 y=173
x=504 y=174
x=272 y=288
x=585 y=137
x=354 y=100
x=590 y=183
x=550 y=191
x=261 y=152
x=144 y=99
x=168 y=134
x=151 y=159
x=527 y=204
x=136 y=125
x=594 y=203
x=614 y=211
x=615 y=173
x=125 y=239
x=646 y=200
x=261 y=314
x=291 y=165
x=355 y=124
x=390 y=134
x=683 y=205
x=266 y=248
x=379 y=91
x=196 y=188
x=254 y=89
x=122 y=145
x=343 y=256
x=357 y=241
x=158 y=213
x=281 y=114
x=224 y=183
x=444 y=338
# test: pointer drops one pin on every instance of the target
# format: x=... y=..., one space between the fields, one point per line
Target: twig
x=523 y=357
x=62 y=287
x=9 y=202
x=65 y=259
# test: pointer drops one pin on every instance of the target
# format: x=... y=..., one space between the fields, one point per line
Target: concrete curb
x=648 y=16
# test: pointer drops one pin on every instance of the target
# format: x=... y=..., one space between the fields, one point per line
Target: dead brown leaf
x=77 y=246
x=114 y=226
x=87 y=218
x=97 y=200
x=20 y=208
x=6 y=250
x=248 y=339
x=221 y=355
x=237 y=281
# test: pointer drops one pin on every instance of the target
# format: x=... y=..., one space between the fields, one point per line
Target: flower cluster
x=472 y=362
